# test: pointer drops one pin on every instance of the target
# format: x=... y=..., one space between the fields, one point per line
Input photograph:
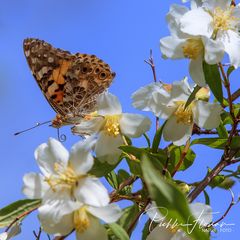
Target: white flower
x=201 y=212
x=15 y=230
x=170 y=106
x=85 y=221
x=64 y=184
x=195 y=47
x=217 y=20
x=111 y=125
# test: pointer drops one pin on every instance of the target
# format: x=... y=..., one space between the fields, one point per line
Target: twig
x=165 y=167
x=199 y=131
x=233 y=3
x=132 y=225
x=227 y=86
x=114 y=194
x=226 y=212
x=63 y=237
x=183 y=155
x=19 y=217
x=150 y=62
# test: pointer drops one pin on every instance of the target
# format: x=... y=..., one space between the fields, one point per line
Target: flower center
x=193 y=48
x=81 y=220
x=184 y=115
x=64 y=177
x=112 y=126
x=223 y=20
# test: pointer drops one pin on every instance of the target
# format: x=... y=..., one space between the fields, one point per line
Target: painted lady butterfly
x=70 y=82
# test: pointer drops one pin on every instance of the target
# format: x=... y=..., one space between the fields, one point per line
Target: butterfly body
x=70 y=82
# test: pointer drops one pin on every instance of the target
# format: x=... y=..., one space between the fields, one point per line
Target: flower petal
x=49 y=154
x=88 y=127
x=62 y=227
x=212 y=4
x=172 y=47
x=143 y=97
x=3 y=236
x=109 y=214
x=108 y=104
x=160 y=233
x=94 y=231
x=175 y=13
x=57 y=204
x=214 y=50
x=202 y=213
x=178 y=133
x=134 y=125
x=207 y=115
x=197 y=22
x=81 y=159
x=196 y=71
x=107 y=148
x=92 y=192
x=181 y=90
x=34 y=186
x=231 y=41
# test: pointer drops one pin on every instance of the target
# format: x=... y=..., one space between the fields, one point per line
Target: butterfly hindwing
x=70 y=82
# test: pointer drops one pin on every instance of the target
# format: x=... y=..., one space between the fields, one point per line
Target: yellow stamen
x=223 y=19
x=81 y=220
x=183 y=115
x=112 y=126
x=64 y=177
x=193 y=48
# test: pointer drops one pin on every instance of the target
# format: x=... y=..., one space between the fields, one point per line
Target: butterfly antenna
x=61 y=137
x=37 y=125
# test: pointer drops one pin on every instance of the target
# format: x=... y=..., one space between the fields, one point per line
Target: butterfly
x=70 y=82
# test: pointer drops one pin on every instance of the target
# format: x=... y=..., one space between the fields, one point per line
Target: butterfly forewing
x=70 y=82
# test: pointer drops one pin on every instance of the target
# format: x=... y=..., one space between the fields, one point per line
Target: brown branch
x=114 y=194
x=233 y=3
x=227 y=211
x=226 y=159
x=150 y=62
x=227 y=86
x=132 y=225
x=183 y=155
x=19 y=217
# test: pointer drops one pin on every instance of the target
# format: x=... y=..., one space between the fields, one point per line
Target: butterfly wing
x=69 y=82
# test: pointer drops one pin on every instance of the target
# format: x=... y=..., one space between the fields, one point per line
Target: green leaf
x=226 y=118
x=134 y=167
x=118 y=231
x=101 y=169
x=175 y=156
x=227 y=183
x=207 y=198
x=147 y=139
x=112 y=179
x=222 y=131
x=13 y=211
x=167 y=196
x=129 y=214
x=157 y=138
x=230 y=70
x=213 y=79
x=216 y=181
x=217 y=143
x=192 y=96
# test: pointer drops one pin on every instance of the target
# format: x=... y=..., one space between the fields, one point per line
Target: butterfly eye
x=84 y=70
x=102 y=75
x=97 y=70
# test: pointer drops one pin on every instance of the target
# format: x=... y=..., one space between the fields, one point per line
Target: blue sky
x=119 y=32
